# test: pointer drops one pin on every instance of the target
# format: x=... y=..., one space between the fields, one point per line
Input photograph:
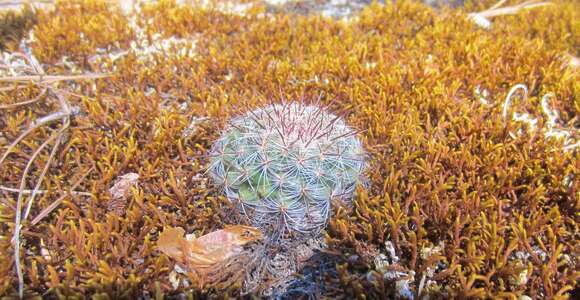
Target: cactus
x=284 y=164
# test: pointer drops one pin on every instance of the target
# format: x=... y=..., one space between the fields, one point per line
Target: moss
x=78 y=28
x=557 y=29
x=14 y=25
x=445 y=169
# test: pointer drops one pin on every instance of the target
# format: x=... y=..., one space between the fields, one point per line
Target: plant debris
x=120 y=191
x=208 y=253
x=482 y=18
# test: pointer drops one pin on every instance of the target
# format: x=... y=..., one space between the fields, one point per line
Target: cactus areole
x=284 y=164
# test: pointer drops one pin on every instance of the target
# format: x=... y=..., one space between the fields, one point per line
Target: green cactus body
x=285 y=163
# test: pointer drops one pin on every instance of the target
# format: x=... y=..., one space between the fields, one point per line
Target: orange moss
x=445 y=170
x=77 y=28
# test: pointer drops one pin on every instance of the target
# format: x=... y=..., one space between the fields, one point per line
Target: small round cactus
x=284 y=164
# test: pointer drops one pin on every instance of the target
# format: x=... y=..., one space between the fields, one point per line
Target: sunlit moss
x=77 y=28
x=444 y=168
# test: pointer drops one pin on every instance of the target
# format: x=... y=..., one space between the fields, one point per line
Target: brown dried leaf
x=172 y=243
x=120 y=192
x=208 y=250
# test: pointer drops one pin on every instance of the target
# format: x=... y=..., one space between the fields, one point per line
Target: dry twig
x=482 y=18
x=20 y=72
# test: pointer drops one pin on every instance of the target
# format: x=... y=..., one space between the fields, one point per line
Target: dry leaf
x=222 y=244
x=172 y=243
x=120 y=191
x=209 y=258
x=199 y=254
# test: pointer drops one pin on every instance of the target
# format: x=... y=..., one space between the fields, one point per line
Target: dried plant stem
x=22 y=136
x=482 y=18
x=45 y=169
x=28 y=192
x=497 y=10
x=34 y=74
x=18 y=219
x=33 y=100
x=498 y=4
x=50 y=79
x=57 y=202
x=19 y=203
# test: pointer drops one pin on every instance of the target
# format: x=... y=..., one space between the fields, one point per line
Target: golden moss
x=556 y=28
x=78 y=28
x=445 y=169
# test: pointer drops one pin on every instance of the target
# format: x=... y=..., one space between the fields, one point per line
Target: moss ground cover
x=463 y=202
